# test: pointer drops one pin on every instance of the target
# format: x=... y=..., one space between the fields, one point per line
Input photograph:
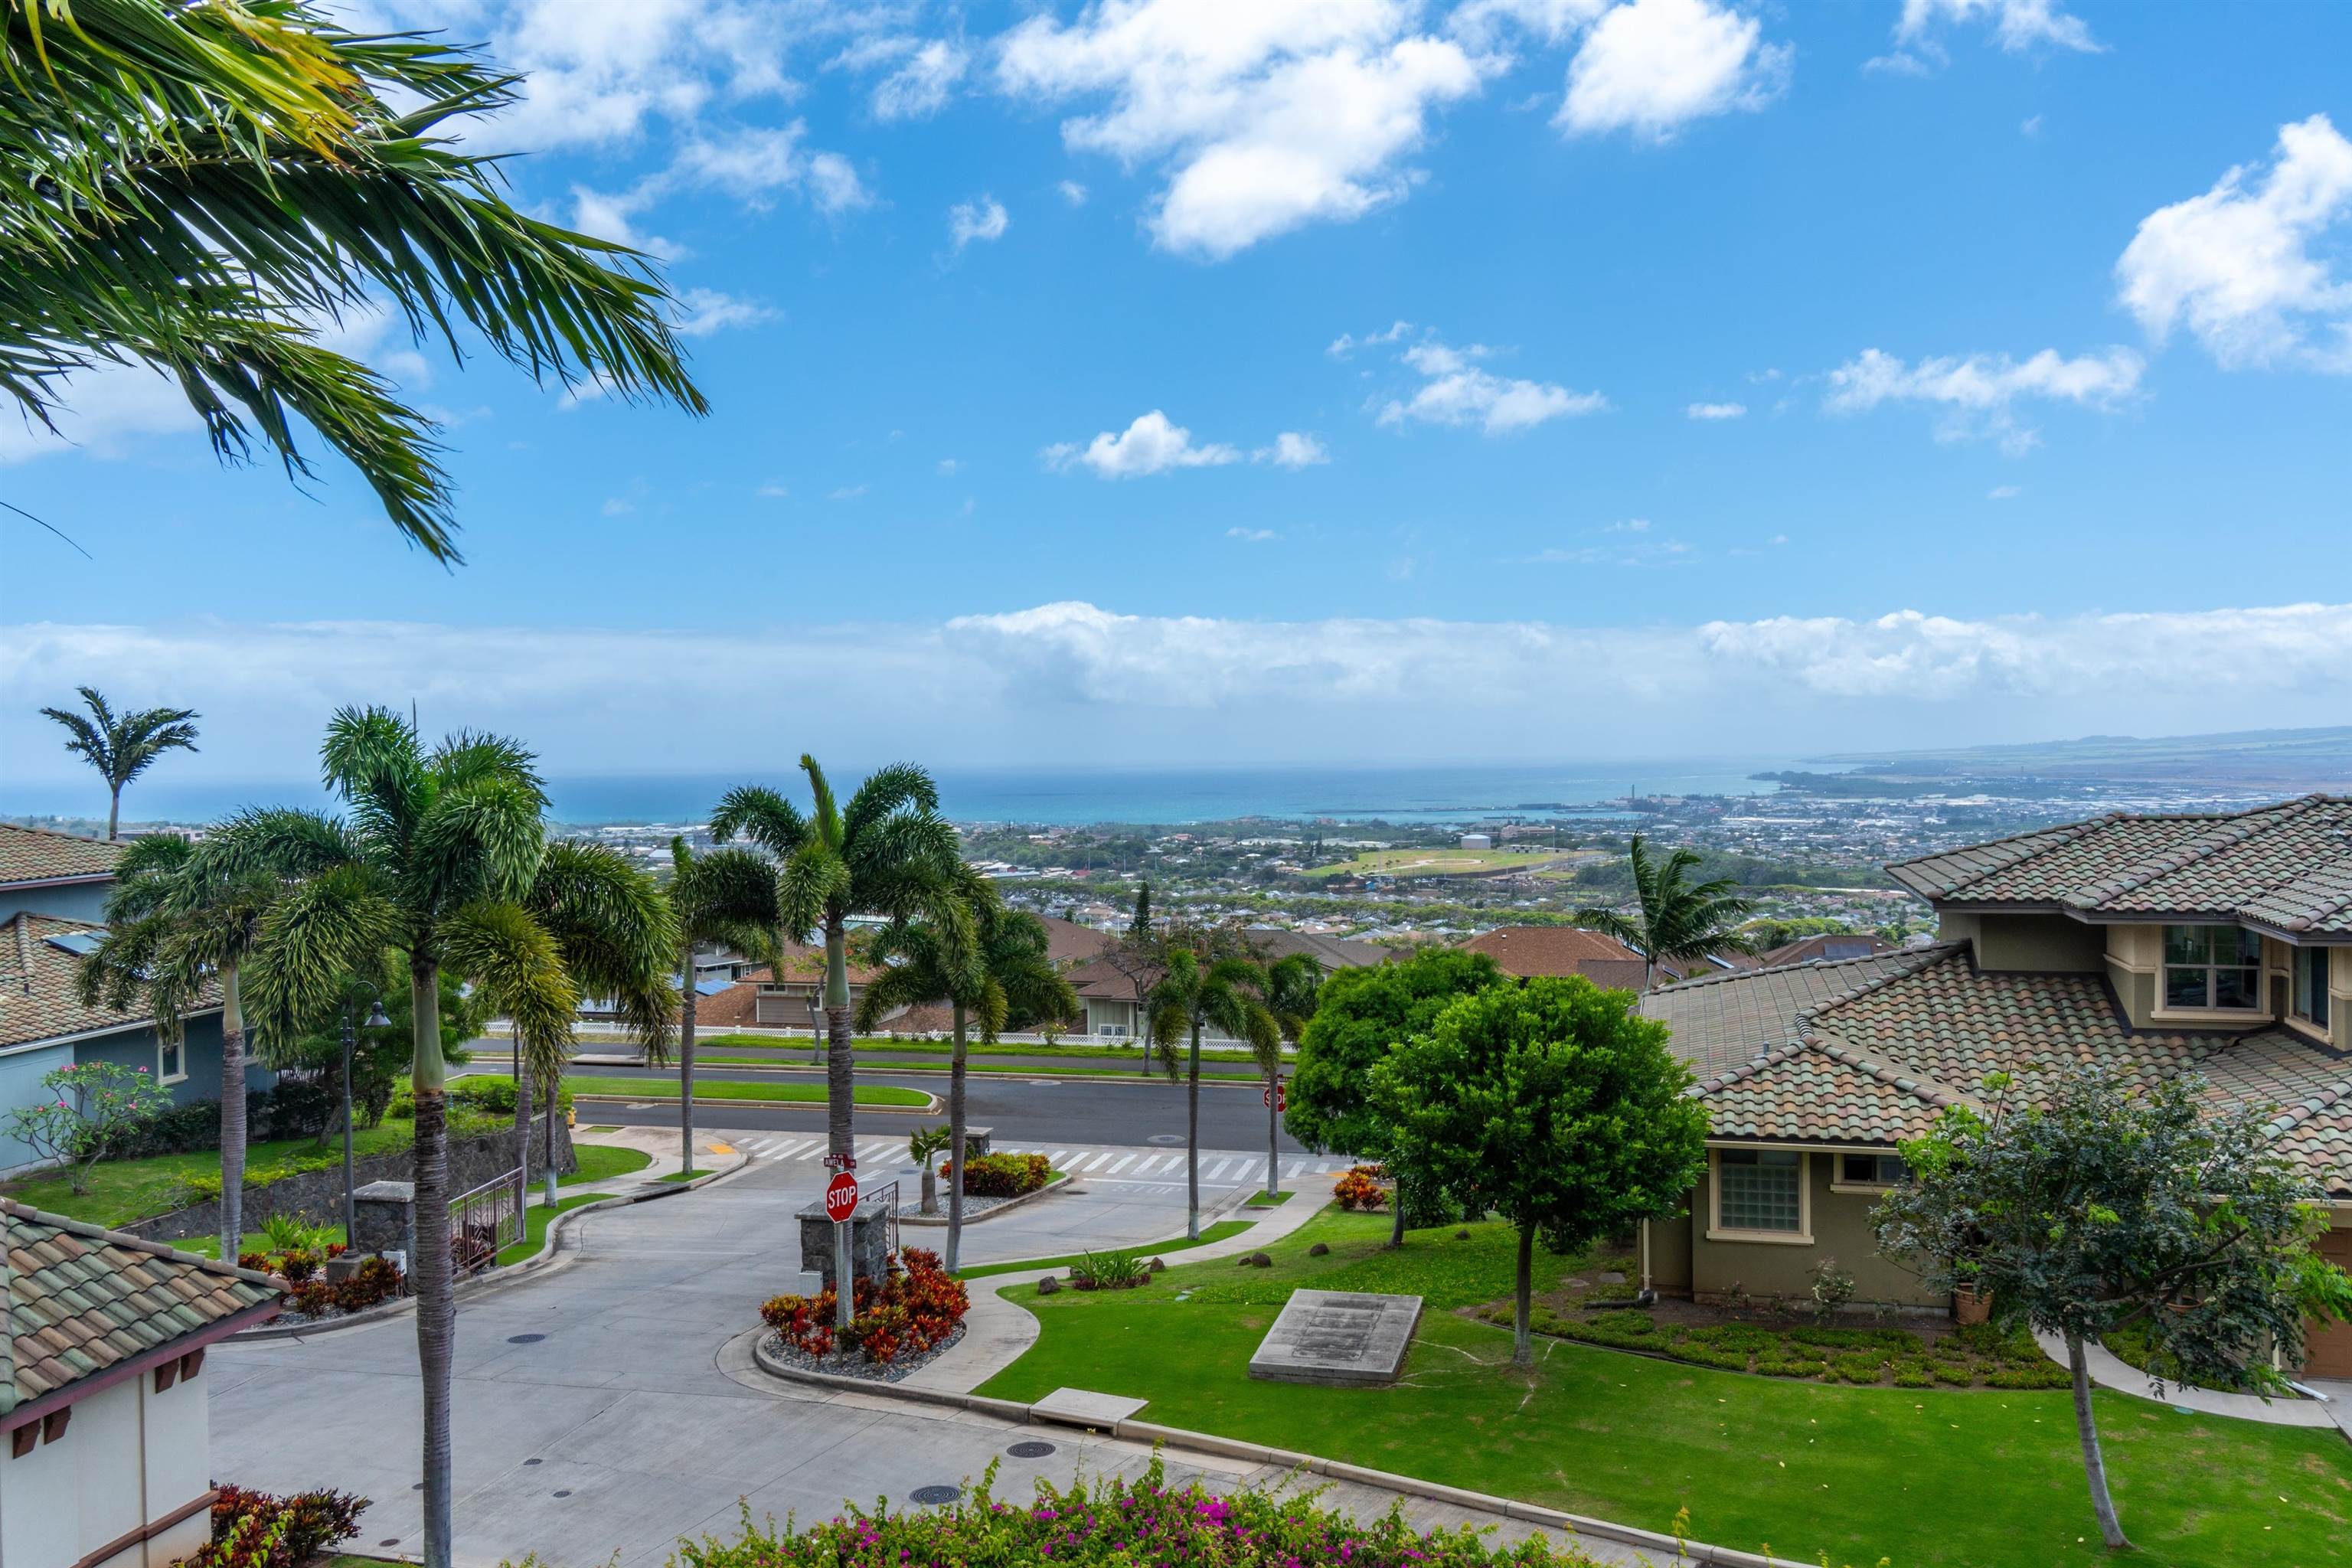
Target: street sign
x=1277 y=1097
x=841 y=1197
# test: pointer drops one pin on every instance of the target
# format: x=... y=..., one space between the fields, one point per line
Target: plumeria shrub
x=915 y=1311
x=1113 y=1521
x=1003 y=1175
x=88 y=1112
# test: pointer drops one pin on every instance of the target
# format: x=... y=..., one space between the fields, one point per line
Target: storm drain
x=524 y=1339
x=935 y=1494
x=1030 y=1450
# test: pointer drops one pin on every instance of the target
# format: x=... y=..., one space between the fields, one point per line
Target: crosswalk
x=1145 y=1167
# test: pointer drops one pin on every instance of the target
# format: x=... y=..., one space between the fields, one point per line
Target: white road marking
x=1121 y=1165
x=1293 y=1169
x=1219 y=1174
x=1056 y=1157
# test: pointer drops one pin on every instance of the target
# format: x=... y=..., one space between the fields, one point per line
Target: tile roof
x=1067 y=942
x=1724 y=1020
x=1528 y=952
x=2288 y=866
x=1828 y=945
x=1804 y=1093
x=1272 y=942
x=40 y=987
x=36 y=854
x=81 y=1299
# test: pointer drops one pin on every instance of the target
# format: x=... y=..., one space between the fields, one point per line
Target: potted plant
x=1970 y=1304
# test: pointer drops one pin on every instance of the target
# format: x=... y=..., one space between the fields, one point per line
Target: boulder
x=1048 y=1285
x=1319 y=1249
x=1260 y=1260
x=1158 y=1267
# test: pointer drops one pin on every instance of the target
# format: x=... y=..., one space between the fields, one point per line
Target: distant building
x=1528 y=952
x=1112 y=989
x=1477 y=841
x=1827 y=948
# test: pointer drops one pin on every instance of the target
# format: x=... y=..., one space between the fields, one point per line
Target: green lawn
x=1952 y=1478
x=124 y=1191
x=682 y=1175
x=1217 y=1232
x=601 y=1162
x=1260 y=1200
x=721 y=1088
x=536 y=1221
x=1437 y=863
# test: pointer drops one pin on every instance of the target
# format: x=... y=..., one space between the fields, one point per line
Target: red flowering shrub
x=314 y=1295
x=1360 y=1189
x=298 y=1266
x=255 y=1530
x=916 y=1309
x=1003 y=1175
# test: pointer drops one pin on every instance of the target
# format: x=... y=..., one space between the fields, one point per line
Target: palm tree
x=1223 y=993
x=212 y=186
x=727 y=898
x=1289 y=993
x=1676 y=921
x=989 y=966
x=178 y=921
x=888 y=852
x=443 y=856
x=122 y=746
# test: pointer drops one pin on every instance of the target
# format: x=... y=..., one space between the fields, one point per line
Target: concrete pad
x=1103 y=1410
x=1338 y=1337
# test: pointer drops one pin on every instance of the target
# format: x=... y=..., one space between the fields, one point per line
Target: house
x=1827 y=945
x=783 y=991
x=108 y=1458
x=1112 y=988
x=1526 y=952
x=2217 y=944
x=53 y=893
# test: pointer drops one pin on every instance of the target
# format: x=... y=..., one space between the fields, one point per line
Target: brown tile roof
x=1828 y=945
x=1272 y=942
x=36 y=854
x=1528 y=952
x=1068 y=943
x=1806 y=1094
x=1724 y=1020
x=40 y=987
x=801 y=963
x=81 y=1299
x=2287 y=866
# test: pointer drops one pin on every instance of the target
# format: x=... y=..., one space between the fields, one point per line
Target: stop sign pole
x=841 y=1207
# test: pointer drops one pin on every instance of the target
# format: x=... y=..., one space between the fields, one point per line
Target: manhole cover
x=1030 y=1450
x=1166 y=1139
x=524 y=1339
x=389 y=1540
x=935 y=1494
x=567 y=1493
x=529 y=1462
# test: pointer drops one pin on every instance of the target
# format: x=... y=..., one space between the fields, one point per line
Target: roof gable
x=36 y=854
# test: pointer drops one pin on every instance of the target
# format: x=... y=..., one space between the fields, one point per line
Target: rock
x=1048 y=1285
x=1462 y=1234
x=1319 y=1249
x=1260 y=1260
x=1158 y=1267
x=1611 y=1277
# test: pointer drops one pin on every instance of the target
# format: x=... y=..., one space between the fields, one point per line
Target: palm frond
x=615 y=934
x=505 y=951
x=334 y=923
x=762 y=816
x=481 y=839
x=898 y=786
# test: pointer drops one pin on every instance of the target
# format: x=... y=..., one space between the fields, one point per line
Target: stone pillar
x=869 y=1241
x=383 y=1220
x=977 y=1141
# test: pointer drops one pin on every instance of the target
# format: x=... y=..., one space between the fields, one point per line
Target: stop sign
x=1277 y=1097
x=841 y=1197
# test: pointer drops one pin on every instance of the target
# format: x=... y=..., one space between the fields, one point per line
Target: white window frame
x=1841 y=1182
x=1718 y=1231
x=2165 y=1007
x=165 y=1051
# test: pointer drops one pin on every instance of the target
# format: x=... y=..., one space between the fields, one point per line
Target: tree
x=180 y=920
x=985 y=962
x=1289 y=994
x=120 y=746
x=381 y=1058
x=1554 y=1105
x=206 y=189
x=443 y=856
x=1138 y=925
x=1674 y=921
x=93 y=1109
x=1194 y=994
x=2113 y=1205
x=925 y=1144
x=728 y=899
x=888 y=852
x=1360 y=1016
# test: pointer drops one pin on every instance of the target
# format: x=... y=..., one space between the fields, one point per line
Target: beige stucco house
x=2217 y=945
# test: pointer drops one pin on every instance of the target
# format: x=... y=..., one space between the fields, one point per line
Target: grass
x=1930 y=1478
x=720 y=1089
x=1263 y=1201
x=1434 y=863
x=602 y=1161
x=1978 y=1355
x=681 y=1175
x=600 y=1129
x=1217 y=1232
x=536 y=1221
x=124 y=1191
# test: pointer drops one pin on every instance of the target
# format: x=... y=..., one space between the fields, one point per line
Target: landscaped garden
x=1968 y=1477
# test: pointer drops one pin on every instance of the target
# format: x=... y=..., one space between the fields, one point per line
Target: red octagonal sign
x=841 y=1197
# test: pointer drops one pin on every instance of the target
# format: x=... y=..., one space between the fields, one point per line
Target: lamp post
x=375 y=1020
x=817 y=1029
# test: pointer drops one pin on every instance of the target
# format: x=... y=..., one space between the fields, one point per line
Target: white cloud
x=107 y=411
x=772 y=491
x=1293 y=450
x=1261 y=117
x=2019 y=25
x=1653 y=65
x=1072 y=193
x=2004 y=492
x=923 y=75
x=752 y=164
x=1631 y=525
x=1456 y=390
x=1252 y=535
x=1716 y=410
x=846 y=492
x=985 y=219
x=612 y=214
x=703 y=311
x=1347 y=343
x=615 y=507
x=2243 y=266
x=1151 y=444
x=949 y=465
x=1977 y=393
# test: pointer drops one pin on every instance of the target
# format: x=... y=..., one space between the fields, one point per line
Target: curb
x=1209 y=1443
x=1063 y=1183
x=489 y=1281
x=932 y=1105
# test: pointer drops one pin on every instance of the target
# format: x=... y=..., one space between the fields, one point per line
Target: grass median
x=1929 y=1479
x=875 y=1094
x=1217 y=1232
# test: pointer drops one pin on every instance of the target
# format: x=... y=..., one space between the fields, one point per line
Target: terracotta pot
x=1969 y=1306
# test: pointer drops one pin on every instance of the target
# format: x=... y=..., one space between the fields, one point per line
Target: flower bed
x=1360 y=1188
x=255 y=1530
x=914 y=1315
x=1000 y=1176
x=1975 y=1356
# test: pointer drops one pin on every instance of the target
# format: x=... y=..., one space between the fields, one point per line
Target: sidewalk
x=2109 y=1371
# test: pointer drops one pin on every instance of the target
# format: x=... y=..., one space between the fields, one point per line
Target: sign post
x=841 y=1207
x=1276 y=1098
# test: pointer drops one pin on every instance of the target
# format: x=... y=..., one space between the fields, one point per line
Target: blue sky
x=1343 y=378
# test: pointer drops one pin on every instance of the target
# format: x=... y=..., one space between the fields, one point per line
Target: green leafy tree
x=120 y=746
x=91 y=1110
x=724 y=898
x=1198 y=993
x=986 y=963
x=1289 y=992
x=2111 y=1206
x=202 y=189
x=887 y=852
x=1552 y=1104
x=1360 y=1016
x=443 y=855
x=1674 y=920
x=381 y=1058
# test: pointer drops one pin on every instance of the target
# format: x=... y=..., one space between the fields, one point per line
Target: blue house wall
x=84 y=901
x=21 y=1071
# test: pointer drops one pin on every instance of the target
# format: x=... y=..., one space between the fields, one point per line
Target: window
x=171 y=1060
x=2218 y=967
x=2311 y=985
x=1759 y=1189
x=1872 y=1171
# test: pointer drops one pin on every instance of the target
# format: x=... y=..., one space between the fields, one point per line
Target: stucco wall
x=2039 y=944
x=1670 y=1254
x=72 y=901
x=136 y=1049
x=21 y=1072
x=1840 y=1228
x=129 y=1455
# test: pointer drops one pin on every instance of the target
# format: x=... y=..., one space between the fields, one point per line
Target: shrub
x=1778 y=1366
x=298 y=1266
x=1709 y=1355
x=1830 y=1289
x=916 y=1309
x=255 y=1530
x=1003 y=1175
x=1108 y=1271
x=1961 y=1375
x=1859 y=1366
x=1360 y=1188
x=375 y=1280
x=2048 y=1374
x=1737 y=1337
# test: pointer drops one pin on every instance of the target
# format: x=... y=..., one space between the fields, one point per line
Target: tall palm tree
x=888 y=852
x=727 y=898
x=988 y=966
x=178 y=921
x=122 y=746
x=1291 y=983
x=1193 y=996
x=212 y=186
x=1674 y=921
x=442 y=855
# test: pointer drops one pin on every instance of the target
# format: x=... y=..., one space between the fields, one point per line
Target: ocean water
x=1065 y=796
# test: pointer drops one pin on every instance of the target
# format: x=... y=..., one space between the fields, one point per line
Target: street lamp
x=817 y=1029
x=375 y=1020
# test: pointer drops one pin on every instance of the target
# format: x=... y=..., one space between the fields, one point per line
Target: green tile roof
x=81 y=1299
